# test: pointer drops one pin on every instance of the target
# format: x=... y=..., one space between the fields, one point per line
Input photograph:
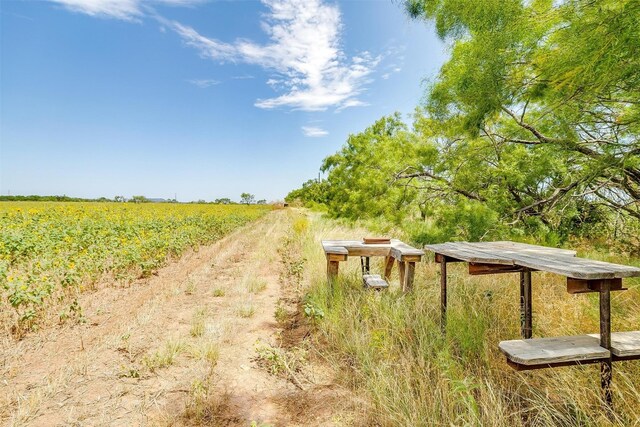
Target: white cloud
x=304 y=51
x=312 y=72
x=204 y=83
x=128 y=10
x=314 y=131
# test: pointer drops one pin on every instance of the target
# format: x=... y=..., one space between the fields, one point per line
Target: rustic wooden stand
x=337 y=251
x=583 y=275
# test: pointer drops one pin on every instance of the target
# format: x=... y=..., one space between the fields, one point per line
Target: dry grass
x=197 y=323
x=165 y=356
x=391 y=348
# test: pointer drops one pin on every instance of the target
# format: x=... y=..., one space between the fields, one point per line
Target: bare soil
x=179 y=348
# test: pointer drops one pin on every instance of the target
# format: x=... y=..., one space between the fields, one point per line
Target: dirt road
x=193 y=345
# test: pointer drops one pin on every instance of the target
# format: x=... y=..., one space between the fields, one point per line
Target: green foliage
x=362 y=175
x=139 y=199
x=36 y=198
x=247 y=198
x=313 y=312
x=312 y=192
x=530 y=129
x=223 y=201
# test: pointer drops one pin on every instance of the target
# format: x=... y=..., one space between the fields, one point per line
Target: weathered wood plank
x=388 y=266
x=559 y=261
x=455 y=250
x=332 y=270
x=525 y=248
x=624 y=344
x=400 y=250
x=580 y=286
x=395 y=247
x=410 y=272
x=402 y=271
x=543 y=351
x=375 y=281
x=376 y=240
x=336 y=257
x=331 y=247
x=476 y=269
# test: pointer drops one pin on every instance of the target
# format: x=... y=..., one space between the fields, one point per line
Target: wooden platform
x=532 y=257
x=396 y=248
x=551 y=351
x=374 y=281
x=624 y=344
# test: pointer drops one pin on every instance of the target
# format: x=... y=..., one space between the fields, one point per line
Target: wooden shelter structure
x=583 y=275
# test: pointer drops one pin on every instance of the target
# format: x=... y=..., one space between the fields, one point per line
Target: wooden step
x=374 y=281
x=624 y=344
x=542 y=352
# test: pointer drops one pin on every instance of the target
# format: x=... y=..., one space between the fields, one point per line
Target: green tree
x=362 y=176
x=247 y=198
x=138 y=199
x=545 y=94
x=312 y=191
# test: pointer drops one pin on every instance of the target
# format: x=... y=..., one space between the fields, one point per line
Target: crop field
x=49 y=252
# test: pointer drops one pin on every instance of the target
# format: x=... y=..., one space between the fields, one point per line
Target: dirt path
x=176 y=349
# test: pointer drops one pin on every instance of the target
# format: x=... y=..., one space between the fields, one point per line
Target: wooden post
x=388 y=267
x=526 y=320
x=332 y=271
x=408 y=278
x=443 y=295
x=367 y=269
x=402 y=270
x=606 y=372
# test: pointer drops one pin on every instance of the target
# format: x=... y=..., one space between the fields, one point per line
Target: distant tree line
x=245 y=198
x=35 y=198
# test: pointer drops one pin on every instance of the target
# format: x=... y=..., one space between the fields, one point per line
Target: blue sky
x=203 y=99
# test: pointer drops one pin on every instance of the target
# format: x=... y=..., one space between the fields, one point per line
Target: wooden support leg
x=606 y=372
x=443 y=295
x=408 y=277
x=332 y=271
x=526 y=316
x=388 y=266
x=402 y=270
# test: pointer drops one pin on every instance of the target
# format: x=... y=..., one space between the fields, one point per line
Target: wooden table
x=583 y=275
x=337 y=251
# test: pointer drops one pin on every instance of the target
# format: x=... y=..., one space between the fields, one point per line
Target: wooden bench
x=557 y=351
x=539 y=353
x=337 y=251
x=624 y=345
x=374 y=281
x=582 y=275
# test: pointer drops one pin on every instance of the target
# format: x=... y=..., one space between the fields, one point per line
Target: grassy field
x=49 y=252
x=386 y=346
x=391 y=351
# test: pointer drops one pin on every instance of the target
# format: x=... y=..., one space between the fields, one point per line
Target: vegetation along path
x=198 y=343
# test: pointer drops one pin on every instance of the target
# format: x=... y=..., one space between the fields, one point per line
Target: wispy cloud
x=314 y=131
x=243 y=77
x=204 y=83
x=311 y=70
x=128 y=10
x=304 y=52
